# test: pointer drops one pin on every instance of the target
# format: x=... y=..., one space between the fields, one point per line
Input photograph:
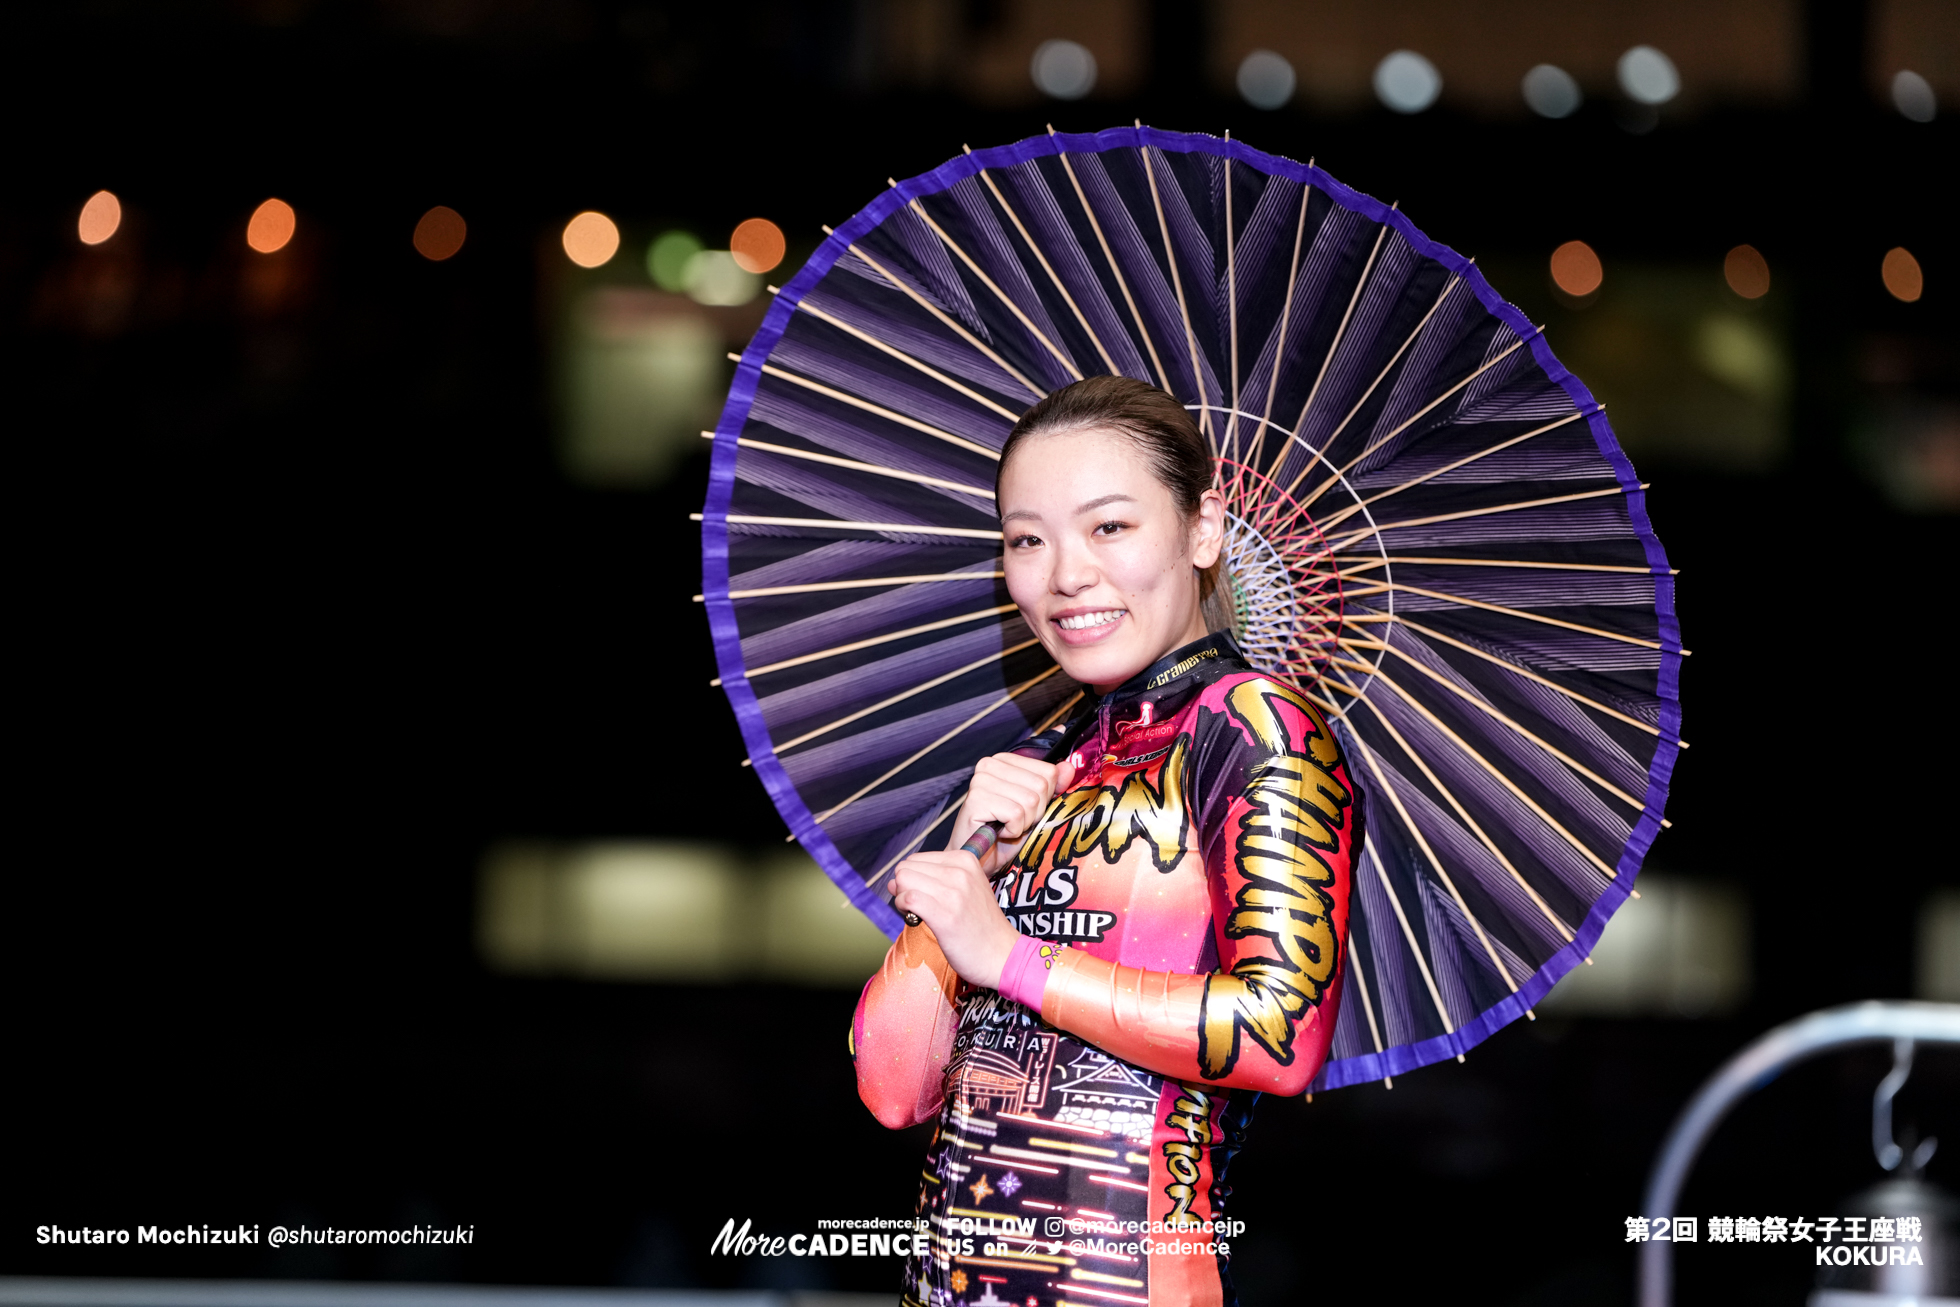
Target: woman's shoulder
x=1266 y=714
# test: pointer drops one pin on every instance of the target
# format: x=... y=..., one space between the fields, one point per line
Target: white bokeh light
x=1912 y=96
x=1407 y=82
x=1648 y=76
x=1551 y=92
x=1266 y=79
x=1063 y=69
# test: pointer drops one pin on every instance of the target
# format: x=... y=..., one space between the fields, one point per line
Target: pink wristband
x=1025 y=977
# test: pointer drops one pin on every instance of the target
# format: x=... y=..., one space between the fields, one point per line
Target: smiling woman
x=1157 y=937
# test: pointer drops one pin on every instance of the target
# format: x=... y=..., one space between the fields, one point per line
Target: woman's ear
x=1208 y=530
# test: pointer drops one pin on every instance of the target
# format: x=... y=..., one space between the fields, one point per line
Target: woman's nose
x=1075 y=571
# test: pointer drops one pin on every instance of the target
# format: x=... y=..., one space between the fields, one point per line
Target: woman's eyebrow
x=1094 y=504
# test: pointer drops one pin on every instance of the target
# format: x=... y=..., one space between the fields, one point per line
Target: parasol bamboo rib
x=947 y=320
x=804 y=306
x=1048 y=268
x=1449 y=796
x=856 y=465
x=1437 y=561
x=1068 y=364
x=1422 y=963
x=1367 y=270
x=1177 y=284
x=1403 y=587
x=878 y=410
x=1530 y=675
x=847 y=524
x=1058 y=714
x=1109 y=257
x=1376 y=674
x=751 y=673
x=1001 y=702
x=1348 y=540
x=1367 y=1006
x=1285 y=315
x=1345 y=513
x=917 y=840
x=1410 y=421
x=1231 y=306
x=1585 y=771
x=863 y=582
x=1380 y=376
x=903 y=695
x=1435 y=863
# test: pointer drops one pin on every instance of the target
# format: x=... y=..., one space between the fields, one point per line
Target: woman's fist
x=1013 y=791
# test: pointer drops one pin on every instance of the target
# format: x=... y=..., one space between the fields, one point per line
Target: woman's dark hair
x=1162 y=431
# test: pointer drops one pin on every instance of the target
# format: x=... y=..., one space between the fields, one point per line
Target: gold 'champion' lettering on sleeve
x=1297 y=807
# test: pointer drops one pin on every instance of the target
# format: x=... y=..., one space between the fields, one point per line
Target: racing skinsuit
x=1183 y=916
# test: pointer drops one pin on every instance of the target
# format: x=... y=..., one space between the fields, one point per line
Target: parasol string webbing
x=878 y=410
x=804 y=306
x=862 y=583
x=1340 y=331
x=1294 y=437
x=996 y=705
x=903 y=695
x=1177 y=284
x=1231 y=303
x=1422 y=963
x=753 y=672
x=1046 y=267
x=1354 y=646
x=947 y=320
x=1367 y=1007
x=1449 y=795
x=1068 y=364
x=1435 y=863
x=847 y=524
x=1376 y=674
x=1143 y=332
x=857 y=465
x=1408 y=422
x=1285 y=315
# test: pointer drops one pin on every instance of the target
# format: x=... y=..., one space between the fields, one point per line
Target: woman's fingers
x=1011 y=790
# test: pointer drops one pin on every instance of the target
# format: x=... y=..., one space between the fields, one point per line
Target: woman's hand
x=951 y=894
x=1013 y=791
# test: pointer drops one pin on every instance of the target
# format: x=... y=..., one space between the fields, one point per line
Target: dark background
x=306 y=617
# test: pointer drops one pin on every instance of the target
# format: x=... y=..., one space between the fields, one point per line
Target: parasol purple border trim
x=727 y=641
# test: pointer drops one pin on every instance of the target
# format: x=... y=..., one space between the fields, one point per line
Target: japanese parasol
x=1432 y=532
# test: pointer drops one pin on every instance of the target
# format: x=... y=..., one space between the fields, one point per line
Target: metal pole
x=1748 y=1071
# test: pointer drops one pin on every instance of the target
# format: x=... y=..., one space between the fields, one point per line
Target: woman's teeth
x=1087 y=620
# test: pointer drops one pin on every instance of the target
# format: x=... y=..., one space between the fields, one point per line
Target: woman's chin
x=1102 y=665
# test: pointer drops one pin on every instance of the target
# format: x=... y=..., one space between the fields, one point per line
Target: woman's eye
x=1110 y=528
x=1024 y=542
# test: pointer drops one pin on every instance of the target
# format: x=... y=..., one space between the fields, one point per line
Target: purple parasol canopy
x=1431 y=531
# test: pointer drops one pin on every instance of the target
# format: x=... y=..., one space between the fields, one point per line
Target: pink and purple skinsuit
x=1183 y=918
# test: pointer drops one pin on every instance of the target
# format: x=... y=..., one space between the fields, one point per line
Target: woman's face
x=1098 y=558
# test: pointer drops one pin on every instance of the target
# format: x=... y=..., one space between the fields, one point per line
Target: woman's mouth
x=1087 y=627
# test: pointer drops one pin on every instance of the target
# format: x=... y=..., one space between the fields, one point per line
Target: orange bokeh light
x=440 y=233
x=591 y=239
x=757 y=245
x=1902 y=275
x=100 y=218
x=271 y=227
x=1747 y=272
x=1576 y=270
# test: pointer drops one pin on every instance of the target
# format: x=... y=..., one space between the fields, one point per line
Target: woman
x=1164 y=939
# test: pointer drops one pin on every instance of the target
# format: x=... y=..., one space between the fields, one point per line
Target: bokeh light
x=714 y=277
x=591 y=239
x=1266 y=79
x=272 y=226
x=757 y=245
x=1406 y=82
x=1912 y=96
x=1063 y=69
x=100 y=218
x=1576 y=269
x=1551 y=92
x=1747 y=272
x=1648 y=76
x=440 y=233
x=668 y=256
x=1902 y=275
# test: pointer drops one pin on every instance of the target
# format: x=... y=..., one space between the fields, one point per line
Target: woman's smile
x=1080 y=628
